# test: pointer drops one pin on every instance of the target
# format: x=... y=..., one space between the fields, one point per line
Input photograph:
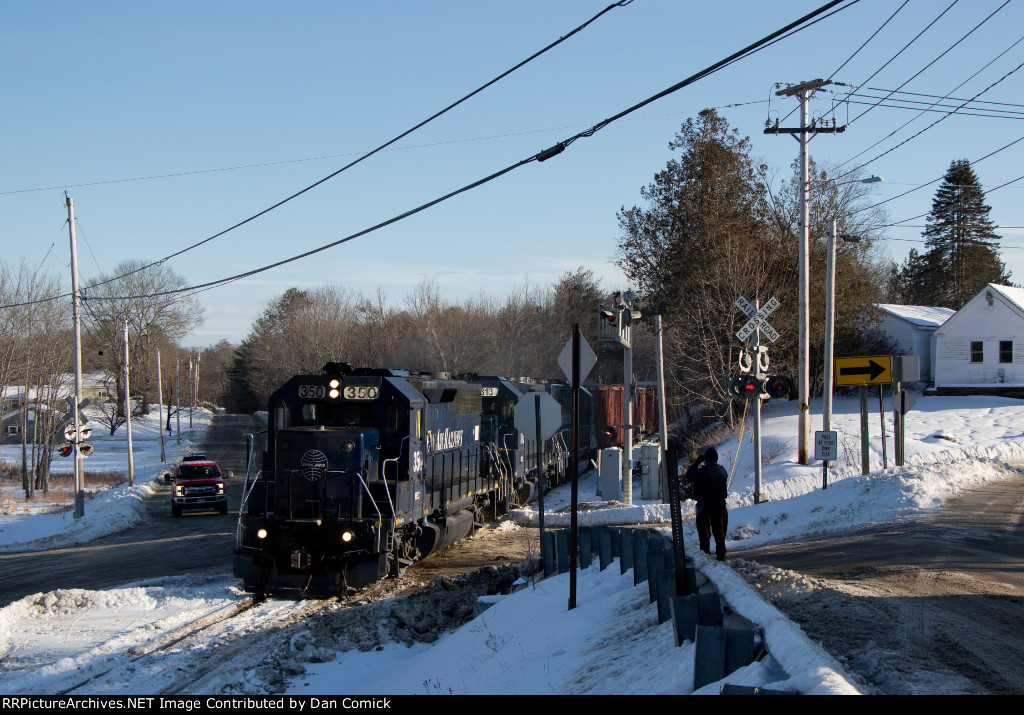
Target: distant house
x=912 y=327
x=11 y=423
x=980 y=350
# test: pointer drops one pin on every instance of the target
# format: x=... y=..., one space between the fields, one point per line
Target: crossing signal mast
x=614 y=325
x=754 y=382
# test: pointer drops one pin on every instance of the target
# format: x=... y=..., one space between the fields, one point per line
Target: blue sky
x=102 y=92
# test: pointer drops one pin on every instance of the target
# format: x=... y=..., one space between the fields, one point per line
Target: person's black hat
x=711 y=454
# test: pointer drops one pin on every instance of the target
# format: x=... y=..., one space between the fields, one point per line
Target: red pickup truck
x=198 y=486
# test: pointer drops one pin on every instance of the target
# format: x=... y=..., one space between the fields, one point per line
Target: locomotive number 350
x=355 y=392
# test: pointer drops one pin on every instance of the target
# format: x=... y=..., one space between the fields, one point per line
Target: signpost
x=872 y=370
x=539 y=414
x=862 y=371
x=576 y=360
x=826 y=448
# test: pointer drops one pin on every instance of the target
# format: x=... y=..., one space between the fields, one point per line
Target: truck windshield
x=194 y=471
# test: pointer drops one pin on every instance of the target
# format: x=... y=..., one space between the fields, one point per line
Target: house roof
x=925 y=316
x=1012 y=294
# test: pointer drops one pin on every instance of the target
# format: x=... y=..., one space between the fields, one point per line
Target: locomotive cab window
x=282 y=416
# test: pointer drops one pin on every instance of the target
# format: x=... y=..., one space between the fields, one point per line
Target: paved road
x=162 y=545
x=941 y=599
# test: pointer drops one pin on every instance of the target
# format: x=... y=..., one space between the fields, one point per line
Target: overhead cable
x=383 y=146
x=793 y=27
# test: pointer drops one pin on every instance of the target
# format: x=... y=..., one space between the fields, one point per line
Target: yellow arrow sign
x=871 y=370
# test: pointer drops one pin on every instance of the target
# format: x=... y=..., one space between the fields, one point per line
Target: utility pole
x=662 y=412
x=177 y=396
x=128 y=409
x=801 y=134
x=160 y=402
x=191 y=389
x=76 y=298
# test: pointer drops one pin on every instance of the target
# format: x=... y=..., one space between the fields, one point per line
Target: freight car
x=369 y=470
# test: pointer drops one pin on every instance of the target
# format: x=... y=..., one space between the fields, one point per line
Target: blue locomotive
x=369 y=470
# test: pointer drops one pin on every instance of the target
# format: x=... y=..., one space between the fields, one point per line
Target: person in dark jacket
x=710 y=487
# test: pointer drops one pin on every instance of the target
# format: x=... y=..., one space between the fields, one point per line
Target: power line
x=620 y=3
x=786 y=31
x=937 y=121
x=906 y=46
x=965 y=102
x=942 y=54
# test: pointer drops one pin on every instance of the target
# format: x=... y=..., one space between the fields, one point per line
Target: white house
x=981 y=348
x=912 y=326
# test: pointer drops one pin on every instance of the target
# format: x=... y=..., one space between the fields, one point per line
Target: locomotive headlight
x=261 y=534
x=333 y=394
x=335 y=384
x=347 y=447
x=347 y=536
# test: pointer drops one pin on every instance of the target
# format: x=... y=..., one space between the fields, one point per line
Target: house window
x=1005 y=351
x=977 y=351
x=12 y=429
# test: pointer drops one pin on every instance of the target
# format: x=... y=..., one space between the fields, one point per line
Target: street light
x=830 y=308
x=803 y=366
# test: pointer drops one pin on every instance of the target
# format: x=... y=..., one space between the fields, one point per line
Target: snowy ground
x=527 y=642
x=23 y=526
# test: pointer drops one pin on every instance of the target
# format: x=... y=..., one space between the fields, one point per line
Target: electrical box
x=650 y=471
x=611 y=474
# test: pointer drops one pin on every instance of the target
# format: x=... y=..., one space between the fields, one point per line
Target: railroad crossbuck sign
x=871 y=370
x=758 y=319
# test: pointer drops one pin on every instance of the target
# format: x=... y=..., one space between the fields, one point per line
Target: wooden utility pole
x=801 y=134
x=76 y=298
x=128 y=409
x=160 y=402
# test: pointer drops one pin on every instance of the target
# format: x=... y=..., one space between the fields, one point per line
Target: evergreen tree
x=962 y=253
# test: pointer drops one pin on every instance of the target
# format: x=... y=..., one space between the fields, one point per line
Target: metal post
x=881 y=414
x=865 y=451
x=757 y=414
x=897 y=416
x=542 y=477
x=830 y=313
x=128 y=409
x=662 y=412
x=160 y=402
x=574 y=465
x=76 y=298
x=627 y=420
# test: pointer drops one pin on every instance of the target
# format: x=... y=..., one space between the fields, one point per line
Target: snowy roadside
x=109 y=511
x=528 y=642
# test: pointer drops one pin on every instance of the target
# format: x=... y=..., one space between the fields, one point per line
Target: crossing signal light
x=610 y=316
x=86 y=449
x=778 y=386
x=65 y=450
x=745 y=386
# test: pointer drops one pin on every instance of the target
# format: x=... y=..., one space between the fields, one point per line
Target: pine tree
x=962 y=253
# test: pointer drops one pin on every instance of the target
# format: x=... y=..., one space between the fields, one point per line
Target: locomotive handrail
x=383 y=472
x=366 y=488
x=240 y=529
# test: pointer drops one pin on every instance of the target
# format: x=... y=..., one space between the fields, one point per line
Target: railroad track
x=197 y=656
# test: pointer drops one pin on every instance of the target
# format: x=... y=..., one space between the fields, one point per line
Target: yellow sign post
x=871 y=370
